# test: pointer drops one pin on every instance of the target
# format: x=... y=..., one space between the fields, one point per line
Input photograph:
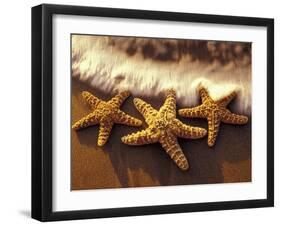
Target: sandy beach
x=118 y=165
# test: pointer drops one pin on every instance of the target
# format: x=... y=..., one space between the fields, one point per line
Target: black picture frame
x=42 y=107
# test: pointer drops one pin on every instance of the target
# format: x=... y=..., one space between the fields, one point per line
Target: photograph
x=150 y=111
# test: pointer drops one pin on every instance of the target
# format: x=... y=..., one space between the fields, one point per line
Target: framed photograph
x=146 y=112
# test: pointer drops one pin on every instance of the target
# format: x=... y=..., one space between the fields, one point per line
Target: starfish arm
x=213 y=129
x=104 y=132
x=119 y=98
x=123 y=118
x=145 y=109
x=86 y=121
x=224 y=101
x=204 y=94
x=232 y=118
x=170 y=102
x=172 y=148
x=185 y=131
x=141 y=137
x=195 y=112
x=91 y=99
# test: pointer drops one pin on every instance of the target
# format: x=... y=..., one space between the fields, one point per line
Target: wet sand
x=118 y=165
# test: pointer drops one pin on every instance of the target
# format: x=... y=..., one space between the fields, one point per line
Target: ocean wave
x=105 y=63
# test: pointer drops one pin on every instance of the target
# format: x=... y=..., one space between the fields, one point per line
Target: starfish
x=215 y=112
x=105 y=113
x=164 y=127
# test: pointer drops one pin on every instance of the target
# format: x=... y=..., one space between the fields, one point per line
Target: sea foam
x=110 y=69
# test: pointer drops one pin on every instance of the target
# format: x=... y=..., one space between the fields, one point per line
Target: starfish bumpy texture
x=215 y=112
x=164 y=127
x=105 y=113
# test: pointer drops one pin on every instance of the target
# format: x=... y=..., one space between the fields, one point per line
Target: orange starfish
x=215 y=112
x=164 y=127
x=106 y=113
